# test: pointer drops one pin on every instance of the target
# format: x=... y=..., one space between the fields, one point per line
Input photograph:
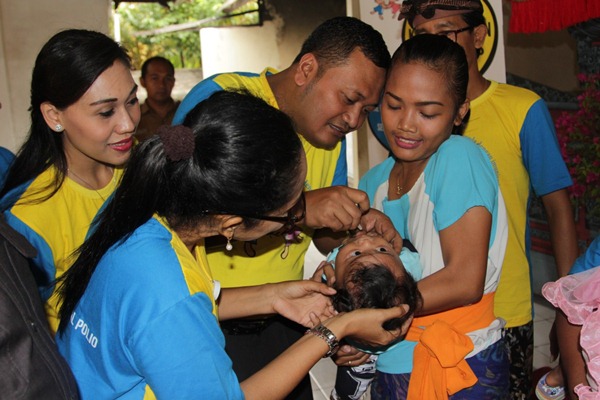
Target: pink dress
x=578 y=296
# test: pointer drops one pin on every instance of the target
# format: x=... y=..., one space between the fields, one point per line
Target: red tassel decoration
x=534 y=16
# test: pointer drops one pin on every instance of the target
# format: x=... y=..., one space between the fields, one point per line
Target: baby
x=369 y=273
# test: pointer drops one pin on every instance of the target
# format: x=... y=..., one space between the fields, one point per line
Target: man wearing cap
x=514 y=125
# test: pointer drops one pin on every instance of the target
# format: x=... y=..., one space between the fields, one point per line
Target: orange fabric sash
x=439 y=365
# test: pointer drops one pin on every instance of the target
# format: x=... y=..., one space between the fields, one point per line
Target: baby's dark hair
x=374 y=286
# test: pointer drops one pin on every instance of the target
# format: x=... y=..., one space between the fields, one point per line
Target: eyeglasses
x=455 y=32
x=294 y=215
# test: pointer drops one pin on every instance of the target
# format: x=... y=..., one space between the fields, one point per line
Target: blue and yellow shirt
x=147 y=327
x=272 y=258
x=522 y=144
x=457 y=177
x=56 y=227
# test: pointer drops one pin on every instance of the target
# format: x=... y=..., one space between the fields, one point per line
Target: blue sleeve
x=181 y=353
x=6 y=159
x=458 y=177
x=13 y=196
x=340 y=176
x=43 y=267
x=588 y=260
x=198 y=93
x=541 y=152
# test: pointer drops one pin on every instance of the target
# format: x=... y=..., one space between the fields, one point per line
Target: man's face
x=448 y=26
x=159 y=81
x=338 y=101
x=363 y=250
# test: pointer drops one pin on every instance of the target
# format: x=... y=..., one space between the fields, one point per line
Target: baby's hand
x=324 y=273
x=349 y=356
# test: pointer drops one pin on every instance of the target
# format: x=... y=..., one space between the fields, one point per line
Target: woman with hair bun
x=140 y=313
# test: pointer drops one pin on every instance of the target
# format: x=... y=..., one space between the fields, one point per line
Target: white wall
x=218 y=54
x=25 y=25
x=274 y=44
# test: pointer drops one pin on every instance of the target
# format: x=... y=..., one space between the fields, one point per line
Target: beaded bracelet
x=329 y=337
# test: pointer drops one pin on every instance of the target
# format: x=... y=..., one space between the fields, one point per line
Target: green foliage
x=182 y=48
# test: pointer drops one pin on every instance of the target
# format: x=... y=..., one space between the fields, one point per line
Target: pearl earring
x=59 y=128
x=229 y=246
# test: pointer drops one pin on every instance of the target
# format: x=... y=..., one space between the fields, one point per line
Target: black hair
x=246 y=159
x=334 y=40
x=474 y=19
x=374 y=286
x=65 y=68
x=443 y=56
x=156 y=59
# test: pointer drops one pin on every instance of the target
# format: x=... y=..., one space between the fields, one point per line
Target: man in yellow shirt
x=328 y=91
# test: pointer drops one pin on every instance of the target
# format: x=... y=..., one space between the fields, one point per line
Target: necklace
x=86 y=183
x=399 y=187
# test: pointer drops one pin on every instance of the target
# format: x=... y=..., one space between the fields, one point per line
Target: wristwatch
x=329 y=337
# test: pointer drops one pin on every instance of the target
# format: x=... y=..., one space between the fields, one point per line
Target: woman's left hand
x=296 y=300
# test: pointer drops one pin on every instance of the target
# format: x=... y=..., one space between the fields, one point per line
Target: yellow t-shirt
x=269 y=259
x=513 y=124
x=56 y=227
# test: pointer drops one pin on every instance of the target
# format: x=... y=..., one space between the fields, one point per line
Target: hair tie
x=178 y=141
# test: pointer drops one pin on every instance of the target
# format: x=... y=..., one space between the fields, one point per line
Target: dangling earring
x=59 y=128
x=229 y=246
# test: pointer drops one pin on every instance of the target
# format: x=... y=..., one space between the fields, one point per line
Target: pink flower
x=578 y=134
x=591 y=177
x=577 y=190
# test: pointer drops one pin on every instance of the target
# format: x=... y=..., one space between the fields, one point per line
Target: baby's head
x=370 y=274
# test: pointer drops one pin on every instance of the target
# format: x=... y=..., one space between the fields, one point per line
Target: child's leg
x=555 y=377
x=551 y=386
x=352 y=382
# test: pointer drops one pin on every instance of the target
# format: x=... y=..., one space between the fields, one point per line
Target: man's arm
x=334 y=211
x=562 y=229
